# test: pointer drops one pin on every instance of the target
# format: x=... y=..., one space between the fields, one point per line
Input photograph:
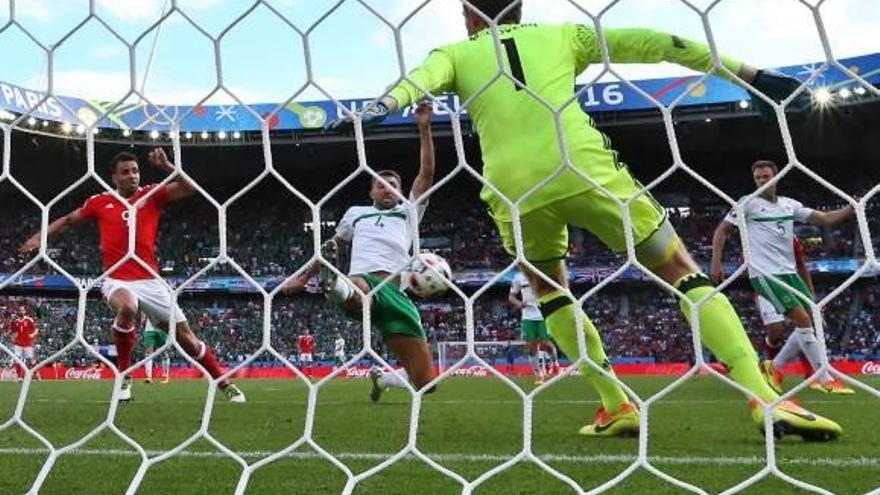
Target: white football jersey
x=381 y=240
x=339 y=346
x=521 y=287
x=771 y=233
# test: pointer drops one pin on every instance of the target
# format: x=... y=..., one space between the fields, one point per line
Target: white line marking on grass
x=867 y=462
x=429 y=400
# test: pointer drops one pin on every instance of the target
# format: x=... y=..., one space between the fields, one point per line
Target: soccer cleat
x=376 y=391
x=835 y=386
x=624 y=422
x=164 y=381
x=124 y=394
x=789 y=418
x=772 y=375
x=818 y=387
x=234 y=395
x=539 y=380
x=148 y=380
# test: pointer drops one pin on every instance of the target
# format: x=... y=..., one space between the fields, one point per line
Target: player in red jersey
x=306 y=345
x=25 y=330
x=132 y=287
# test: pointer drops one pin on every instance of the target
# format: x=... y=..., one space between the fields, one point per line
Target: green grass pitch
x=700 y=433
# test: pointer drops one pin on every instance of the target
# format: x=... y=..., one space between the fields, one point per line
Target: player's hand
x=424 y=113
x=159 y=159
x=372 y=116
x=30 y=245
x=717 y=275
x=777 y=86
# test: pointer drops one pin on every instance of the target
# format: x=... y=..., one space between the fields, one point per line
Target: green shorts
x=545 y=230
x=392 y=311
x=155 y=339
x=782 y=298
x=534 y=330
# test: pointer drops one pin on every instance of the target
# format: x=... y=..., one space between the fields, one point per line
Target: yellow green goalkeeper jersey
x=518 y=134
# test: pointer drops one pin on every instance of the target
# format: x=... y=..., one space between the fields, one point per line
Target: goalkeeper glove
x=371 y=117
x=777 y=86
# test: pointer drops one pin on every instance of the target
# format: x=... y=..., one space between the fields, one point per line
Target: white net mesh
x=149 y=459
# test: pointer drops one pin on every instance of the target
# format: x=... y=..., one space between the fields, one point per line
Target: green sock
x=723 y=334
x=561 y=324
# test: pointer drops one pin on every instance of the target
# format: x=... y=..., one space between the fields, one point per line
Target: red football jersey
x=112 y=217
x=25 y=330
x=306 y=344
x=799 y=257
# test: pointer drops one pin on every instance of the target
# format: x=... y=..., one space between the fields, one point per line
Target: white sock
x=810 y=346
x=166 y=366
x=789 y=351
x=341 y=290
x=536 y=364
x=396 y=380
x=148 y=367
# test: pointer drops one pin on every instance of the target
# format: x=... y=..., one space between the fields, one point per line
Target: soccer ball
x=421 y=278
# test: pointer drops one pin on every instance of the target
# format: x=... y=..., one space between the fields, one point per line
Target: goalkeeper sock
x=148 y=369
x=722 y=332
x=560 y=316
x=789 y=351
x=396 y=380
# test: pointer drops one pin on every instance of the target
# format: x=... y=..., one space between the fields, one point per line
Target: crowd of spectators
x=270 y=239
x=636 y=321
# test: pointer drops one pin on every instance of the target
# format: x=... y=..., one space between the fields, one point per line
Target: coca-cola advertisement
x=83 y=374
x=871 y=368
x=360 y=371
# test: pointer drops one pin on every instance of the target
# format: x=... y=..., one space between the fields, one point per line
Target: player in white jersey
x=381 y=242
x=542 y=351
x=770 y=220
x=155 y=338
x=339 y=350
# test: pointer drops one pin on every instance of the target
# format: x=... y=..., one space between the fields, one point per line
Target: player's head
x=22 y=310
x=125 y=173
x=762 y=172
x=491 y=9
x=306 y=331
x=383 y=196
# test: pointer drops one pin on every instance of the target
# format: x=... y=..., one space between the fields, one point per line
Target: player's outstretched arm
x=423 y=115
x=59 y=226
x=650 y=46
x=829 y=218
x=435 y=75
x=178 y=189
x=719 y=238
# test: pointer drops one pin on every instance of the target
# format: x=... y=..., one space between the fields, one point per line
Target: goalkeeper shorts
x=545 y=229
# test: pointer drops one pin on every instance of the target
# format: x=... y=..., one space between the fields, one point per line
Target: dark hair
x=765 y=164
x=389 y=173
x=491 y=9
x=122 y=156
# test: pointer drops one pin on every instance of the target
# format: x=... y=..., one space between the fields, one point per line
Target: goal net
x=454 y=358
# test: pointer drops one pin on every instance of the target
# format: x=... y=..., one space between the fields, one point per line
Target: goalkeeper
x=521 y=147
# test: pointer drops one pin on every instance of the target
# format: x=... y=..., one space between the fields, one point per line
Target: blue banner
x=601 y=97
x=468 y=278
